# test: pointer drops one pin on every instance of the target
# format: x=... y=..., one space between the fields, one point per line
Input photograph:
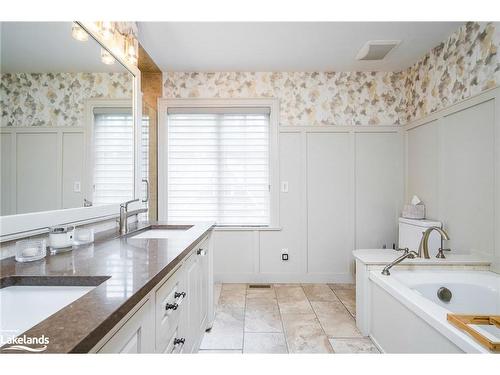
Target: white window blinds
x=218 y=166
x=113 y=155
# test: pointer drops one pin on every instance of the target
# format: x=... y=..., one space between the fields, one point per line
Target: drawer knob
x=171 y=306
x=201 y=252
x=180 y=341
x=179 y=295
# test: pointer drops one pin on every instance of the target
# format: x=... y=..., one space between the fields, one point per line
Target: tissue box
x=412 y=211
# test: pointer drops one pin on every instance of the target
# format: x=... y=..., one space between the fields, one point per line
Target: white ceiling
x=48 y=47
x=286 y=46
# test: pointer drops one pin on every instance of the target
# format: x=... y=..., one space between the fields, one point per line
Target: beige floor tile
x=264 y=343
x=227 y=330
x=234 y=287
x=342 y=286
x=292 y=300
x=261 y=293
x=361 y=345
x=233 y=295
x=335 y=319
x=232 y=300
x=262 y=315
x=304 y=334
x=280 y=285
x=348 y=298
x=319 y=292
x=209 y=351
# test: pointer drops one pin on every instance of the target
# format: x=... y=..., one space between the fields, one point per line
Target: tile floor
x=286 y=318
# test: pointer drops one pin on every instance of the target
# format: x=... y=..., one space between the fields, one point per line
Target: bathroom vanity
x=150 y=291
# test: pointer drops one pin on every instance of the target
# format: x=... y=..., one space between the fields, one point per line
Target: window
x=218 y=165
x=113 y=155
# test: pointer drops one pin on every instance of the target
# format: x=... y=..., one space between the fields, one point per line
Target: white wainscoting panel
x=235 y=255
x=72 y=169
x=40 y=167
x=379 y=189
x=330 y=202
x=453 y=164
x=326 y=170
x=292 y=219
x=467 y=178
x=6 y=174
x=422 y=166
x=37 y=168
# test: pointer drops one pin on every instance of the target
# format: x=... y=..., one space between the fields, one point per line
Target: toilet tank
x=410 y=234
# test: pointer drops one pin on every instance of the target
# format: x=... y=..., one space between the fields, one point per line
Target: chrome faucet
x=125 y=214
x=423 y=249
x=407 y=254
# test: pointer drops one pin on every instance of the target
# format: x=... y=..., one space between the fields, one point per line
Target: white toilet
x=410 y=233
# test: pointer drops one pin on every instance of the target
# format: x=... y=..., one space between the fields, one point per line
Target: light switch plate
x=284 y=186
x=77 y=187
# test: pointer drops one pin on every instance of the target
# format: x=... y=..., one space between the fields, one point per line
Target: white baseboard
x=375 y=342
x=282 y=278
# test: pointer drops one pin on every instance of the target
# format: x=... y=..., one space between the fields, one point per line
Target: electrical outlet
x=284 y=255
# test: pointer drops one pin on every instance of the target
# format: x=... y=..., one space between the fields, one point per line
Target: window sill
x=246 y=228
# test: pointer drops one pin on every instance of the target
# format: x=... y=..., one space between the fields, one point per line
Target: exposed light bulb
x=78 y=33
x=107 y=29
x=106 y=57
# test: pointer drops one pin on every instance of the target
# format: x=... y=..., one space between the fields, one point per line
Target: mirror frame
x=23 y=225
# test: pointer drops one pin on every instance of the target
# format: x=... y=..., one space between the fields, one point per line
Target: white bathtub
x=407 y=315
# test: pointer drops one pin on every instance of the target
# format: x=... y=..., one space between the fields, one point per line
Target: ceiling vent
x=376 y=49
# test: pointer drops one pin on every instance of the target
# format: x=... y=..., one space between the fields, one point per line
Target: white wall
x=39 y=169
x=345 y=191
x=452 y=163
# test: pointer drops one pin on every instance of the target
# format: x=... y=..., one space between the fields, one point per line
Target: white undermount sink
x=163 y=233
x=22 y=307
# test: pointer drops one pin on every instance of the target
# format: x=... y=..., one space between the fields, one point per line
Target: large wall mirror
x=67 y=121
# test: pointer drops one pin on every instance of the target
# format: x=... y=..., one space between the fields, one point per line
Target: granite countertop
x=384 y=256
x=126 y=270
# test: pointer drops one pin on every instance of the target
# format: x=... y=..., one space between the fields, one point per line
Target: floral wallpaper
x=463 y=65
x=56 y=99
x=327 y=98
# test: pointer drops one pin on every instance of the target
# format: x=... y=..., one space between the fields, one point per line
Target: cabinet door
x=193 y=307
x=136 y=335
x=203 y=258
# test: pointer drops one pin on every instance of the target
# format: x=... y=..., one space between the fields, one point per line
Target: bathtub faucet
x=407 y=254
x=423 y=249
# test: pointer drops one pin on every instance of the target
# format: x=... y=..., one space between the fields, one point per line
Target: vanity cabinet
x=173 y=317
x=136 y=335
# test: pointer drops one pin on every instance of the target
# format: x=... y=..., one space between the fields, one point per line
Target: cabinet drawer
x=170 y=299
x=175 y=343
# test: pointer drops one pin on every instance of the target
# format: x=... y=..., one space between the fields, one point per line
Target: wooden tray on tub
x=463 y=322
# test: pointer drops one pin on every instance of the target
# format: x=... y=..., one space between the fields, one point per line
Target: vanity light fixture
x=107 y=29
x=106 y=57
x=130 y=50
x=78 y=33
